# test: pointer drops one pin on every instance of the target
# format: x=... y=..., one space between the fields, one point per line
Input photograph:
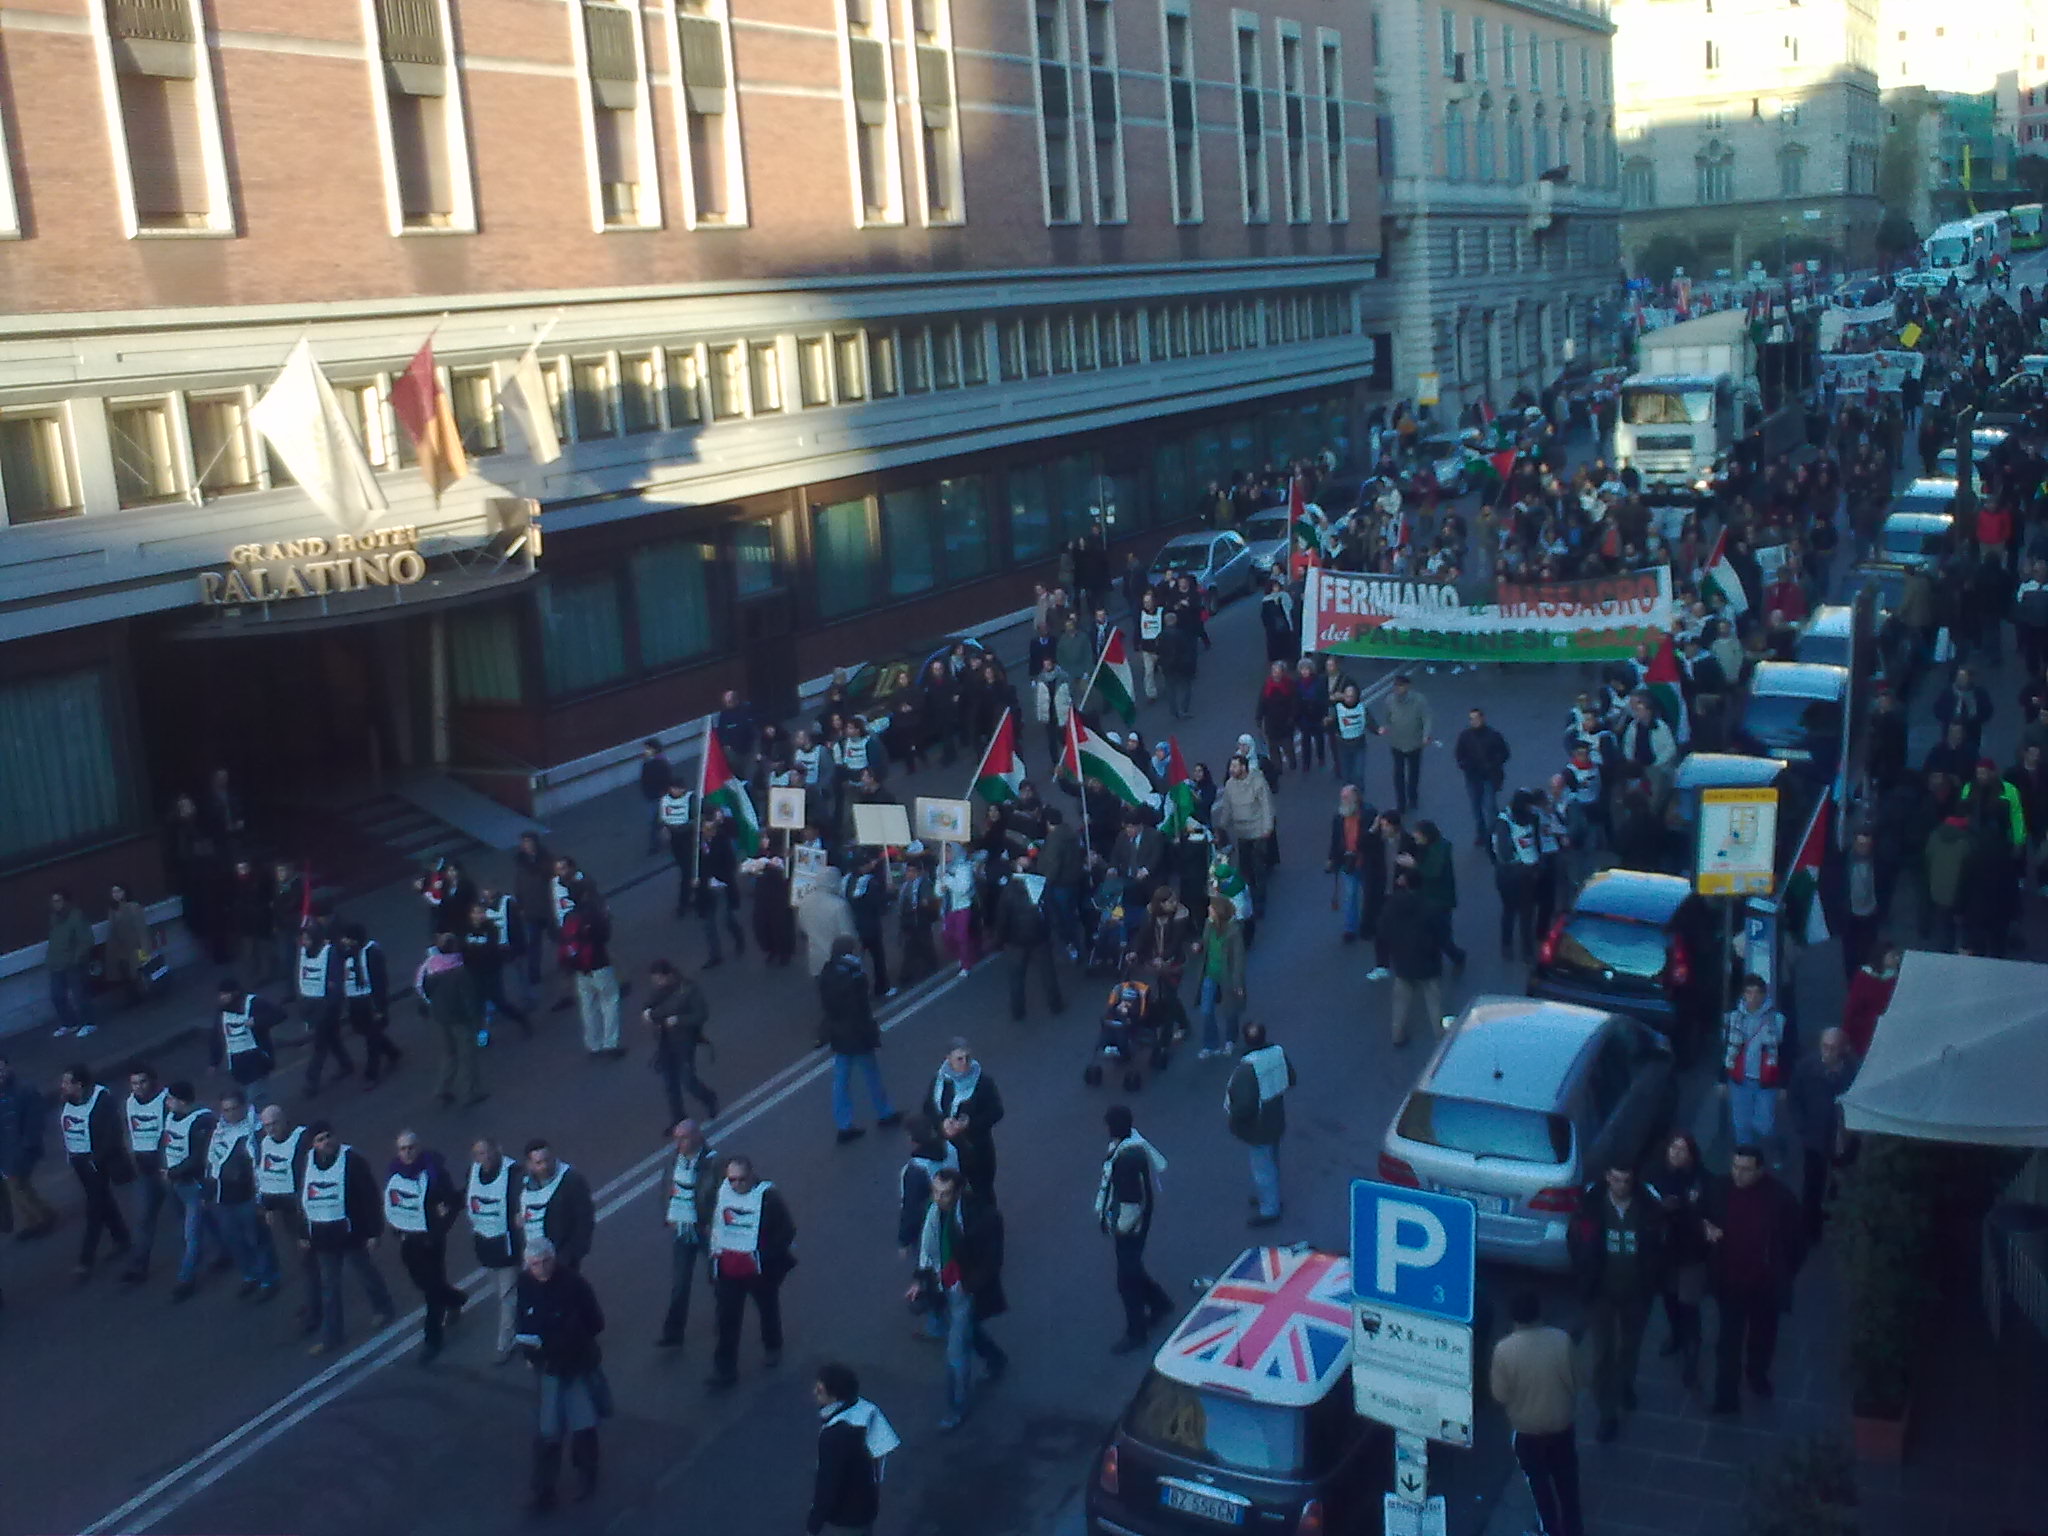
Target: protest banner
x=1396 y=619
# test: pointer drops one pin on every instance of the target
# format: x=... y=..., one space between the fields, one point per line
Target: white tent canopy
x=1961 y=1055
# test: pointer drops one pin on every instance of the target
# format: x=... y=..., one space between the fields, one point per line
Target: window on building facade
x=1055 y=111
x=1535 y=61
x=171 y=164
x=1251 y=125
x=946 y=356
x=421 y=93
x=143 y=438
x=973 y=353
x=1336 y=157
x=813 y=371
x=1792 y=172
x=672 y=609
x=1639 y=183
x=714 y=180
x=1105 y=111
x=583 y=635
x=1454 y=141
x=1447 y=40
x=628 y=190
x=885 y=377
x=683 y=386
x=726 y=373
x=37 y=474
x=1518 y=147
x=843 y=555
x=224 y=457
x=1714 y=175
x=913 y=351
x=877 y=163
x=938 y=110
x=1507 y=53
x=1483 y=167
x=1713 y=55
x=1478 y=60
x=1185 y=166
x=1294 y=127
x=591 y=389
x=59 y=785
x=1541 y=143
x=1558 y=82
x=764 y=377
x=639 y=393
x=473 y=395
x=849 y=368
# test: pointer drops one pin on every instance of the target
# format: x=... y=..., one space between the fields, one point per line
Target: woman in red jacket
x=1870 y=994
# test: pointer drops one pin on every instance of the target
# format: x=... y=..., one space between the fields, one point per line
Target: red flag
x=1298 y=560
x=1486 y=412
x=422 y=408
x=1504 y=464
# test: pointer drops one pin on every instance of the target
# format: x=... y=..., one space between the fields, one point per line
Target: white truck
x=1695 y=394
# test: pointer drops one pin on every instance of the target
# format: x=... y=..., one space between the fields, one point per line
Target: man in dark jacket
x=1123 y=1207
x=960 y=1278
x=341 y=1215
x=1619 y=1243
x=693 y=1178
x=420 y=1202
x=1752 y=1225
x=554 y=1201
x=230 y=1174
x=1482 y=754
x=1968 y=703
x=449 y=990
x=868 y=899
x=678 y=1015
x=718 y=887
x=752 y=1238
x=849 y=1031
x=853 y=1441
x=21 y=1148
x=1256 y=1101
x=533 y=875
x=1413 y=949
x=1177 y=658
x=1026 y=938
x=655 y=773
x=89 y=1123
x=558 y=1322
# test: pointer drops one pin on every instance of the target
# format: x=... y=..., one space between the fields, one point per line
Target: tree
x=1895 y=234
x=1665 y=254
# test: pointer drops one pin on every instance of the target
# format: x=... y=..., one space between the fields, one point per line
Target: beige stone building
x=1750 y=129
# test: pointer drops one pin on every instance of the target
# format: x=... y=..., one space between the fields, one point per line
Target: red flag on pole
x=422 y=408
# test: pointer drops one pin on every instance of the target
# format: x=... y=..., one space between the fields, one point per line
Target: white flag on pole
x=305 y=425
x=525 y=395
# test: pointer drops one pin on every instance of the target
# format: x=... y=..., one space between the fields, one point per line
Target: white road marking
x=183 y=1483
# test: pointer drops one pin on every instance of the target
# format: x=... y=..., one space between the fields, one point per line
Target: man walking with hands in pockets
x=1256 y=1101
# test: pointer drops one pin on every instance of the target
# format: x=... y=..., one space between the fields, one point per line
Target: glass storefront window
x=907 y=541
x=58 y=784
x=1240 y=446
x=1170 y=497
x=1075 y=491
x=964 y=529
x=671 y=601
x=1031 y=526
x=583 y=637
x=483 y=654
x=756 y=566
x=843 y=547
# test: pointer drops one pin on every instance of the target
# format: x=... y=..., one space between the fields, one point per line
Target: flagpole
x=697 y=811
x=975 y=777
x=1092 y=675
x=1080 y=781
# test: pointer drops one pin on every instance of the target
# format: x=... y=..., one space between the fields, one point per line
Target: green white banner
x=1392 y=617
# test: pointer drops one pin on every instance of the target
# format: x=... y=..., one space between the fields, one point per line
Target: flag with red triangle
x=1000 y=773
x=1111 y=680
x=719 y=790
x=1181 y=805
x=1303 y=544
x=1718 y=578
x=1089 y=756
x=1802 y=889
x=1662 y=683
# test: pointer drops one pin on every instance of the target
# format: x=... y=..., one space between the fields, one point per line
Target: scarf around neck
x=881 y=1437
x=1116 y=1149
x=963 y=1084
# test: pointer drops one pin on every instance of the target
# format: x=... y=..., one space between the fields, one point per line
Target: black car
x=874 y=685
x=1246 y=1419
x=1635 y=943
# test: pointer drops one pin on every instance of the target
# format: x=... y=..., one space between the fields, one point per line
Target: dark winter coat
x=848 y=1027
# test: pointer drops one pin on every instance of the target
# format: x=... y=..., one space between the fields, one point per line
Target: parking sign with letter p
x=1412 y=1248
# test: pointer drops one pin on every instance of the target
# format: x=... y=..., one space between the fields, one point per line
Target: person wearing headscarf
x=964 y=1104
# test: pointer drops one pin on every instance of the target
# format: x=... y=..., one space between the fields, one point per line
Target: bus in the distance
x=1997 y=228
x=2026 y=227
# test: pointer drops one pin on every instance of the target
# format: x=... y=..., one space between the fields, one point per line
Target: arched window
x=1518 y=146
x=1714 y=173
x=1591 y=170
x=1543 y=161
x=1454 y=142
x=1483 y=166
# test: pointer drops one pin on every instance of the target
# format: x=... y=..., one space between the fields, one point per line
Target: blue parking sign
x=1412 y=1248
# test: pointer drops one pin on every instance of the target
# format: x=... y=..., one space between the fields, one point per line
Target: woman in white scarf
x=965 y=1105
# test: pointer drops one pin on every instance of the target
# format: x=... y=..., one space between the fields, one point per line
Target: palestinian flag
x=1230 y=886
x=1302 y=543
x=1089 y=756
x=1661 y=682
x=1181 y=805
x=719 y=790
x=1802 y=890
x=1718 y=579
x=1112 y=679
x=1000 y=774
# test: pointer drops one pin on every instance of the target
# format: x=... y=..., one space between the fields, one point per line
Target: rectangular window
x=145 y=451
x=475 y=401
x=764 y=377
x=1294 y=124
x=429 y=153
x=756 y=559
x=913 y=352
x=1084 y=341
x=1535 y=62
x=1127 y=326
x=171 y=165
x=1010 y=350
x=1447 y=39
x=671 y=601
x=483 y=654
x=843 y=552
x=552 y=375
x=1035 y=364
x=964 y=529
x=36 y=471
x=973 y=352
x=1478 y=48
x=849 y=368
x=1586 y=73
x=1251 y=125
x=1336 y=160
x=627 y=193
x=224 y=458
x=945 y=355
x=1159 y=332
x=1186 y=165
x=908 y=542
x=1055 y=110
x=1105 y=112
x=1507 y=53
x=1031 y=526
x=1557 y=76
x=878 y=185
x=883 y=376
x=591 y=386
x=58 y=782
x=727 y=370
x=582 y=632
x=683 y=386
x=714 y=183
x=937 y=105
x=813 y=371
x=639 y=393
x=1062 y=344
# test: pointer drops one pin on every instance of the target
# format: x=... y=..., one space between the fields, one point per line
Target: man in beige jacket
x=1535 y=1378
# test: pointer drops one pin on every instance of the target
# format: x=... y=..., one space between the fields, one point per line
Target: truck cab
x=1675 y=428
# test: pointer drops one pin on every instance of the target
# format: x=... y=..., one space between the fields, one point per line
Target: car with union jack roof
x=1246 y=1419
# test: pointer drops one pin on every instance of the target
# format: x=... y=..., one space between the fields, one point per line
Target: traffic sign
x=1413 y=1372
x=1433 y=1409
x=1413 y=1248
x=1404 y=1519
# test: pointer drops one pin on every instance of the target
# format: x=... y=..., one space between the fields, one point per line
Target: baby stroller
x=1109 y=928
x=1129 y=1033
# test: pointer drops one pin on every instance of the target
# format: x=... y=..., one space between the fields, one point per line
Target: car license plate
x=1189 y=1502
x=1485 y=1205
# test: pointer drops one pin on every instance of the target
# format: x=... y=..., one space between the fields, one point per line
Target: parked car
x=1983 y=441
x=1796 y=711
x=873 y=686
x=1265 y=535
x=1523 y=1102
x=1925 y=282
x=1220 y=561
x=1829 y=636
x=1246 y=1417
x=1638 y=943
x=1920 y=527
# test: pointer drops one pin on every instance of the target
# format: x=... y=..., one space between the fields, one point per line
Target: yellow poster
x=1910 y=336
